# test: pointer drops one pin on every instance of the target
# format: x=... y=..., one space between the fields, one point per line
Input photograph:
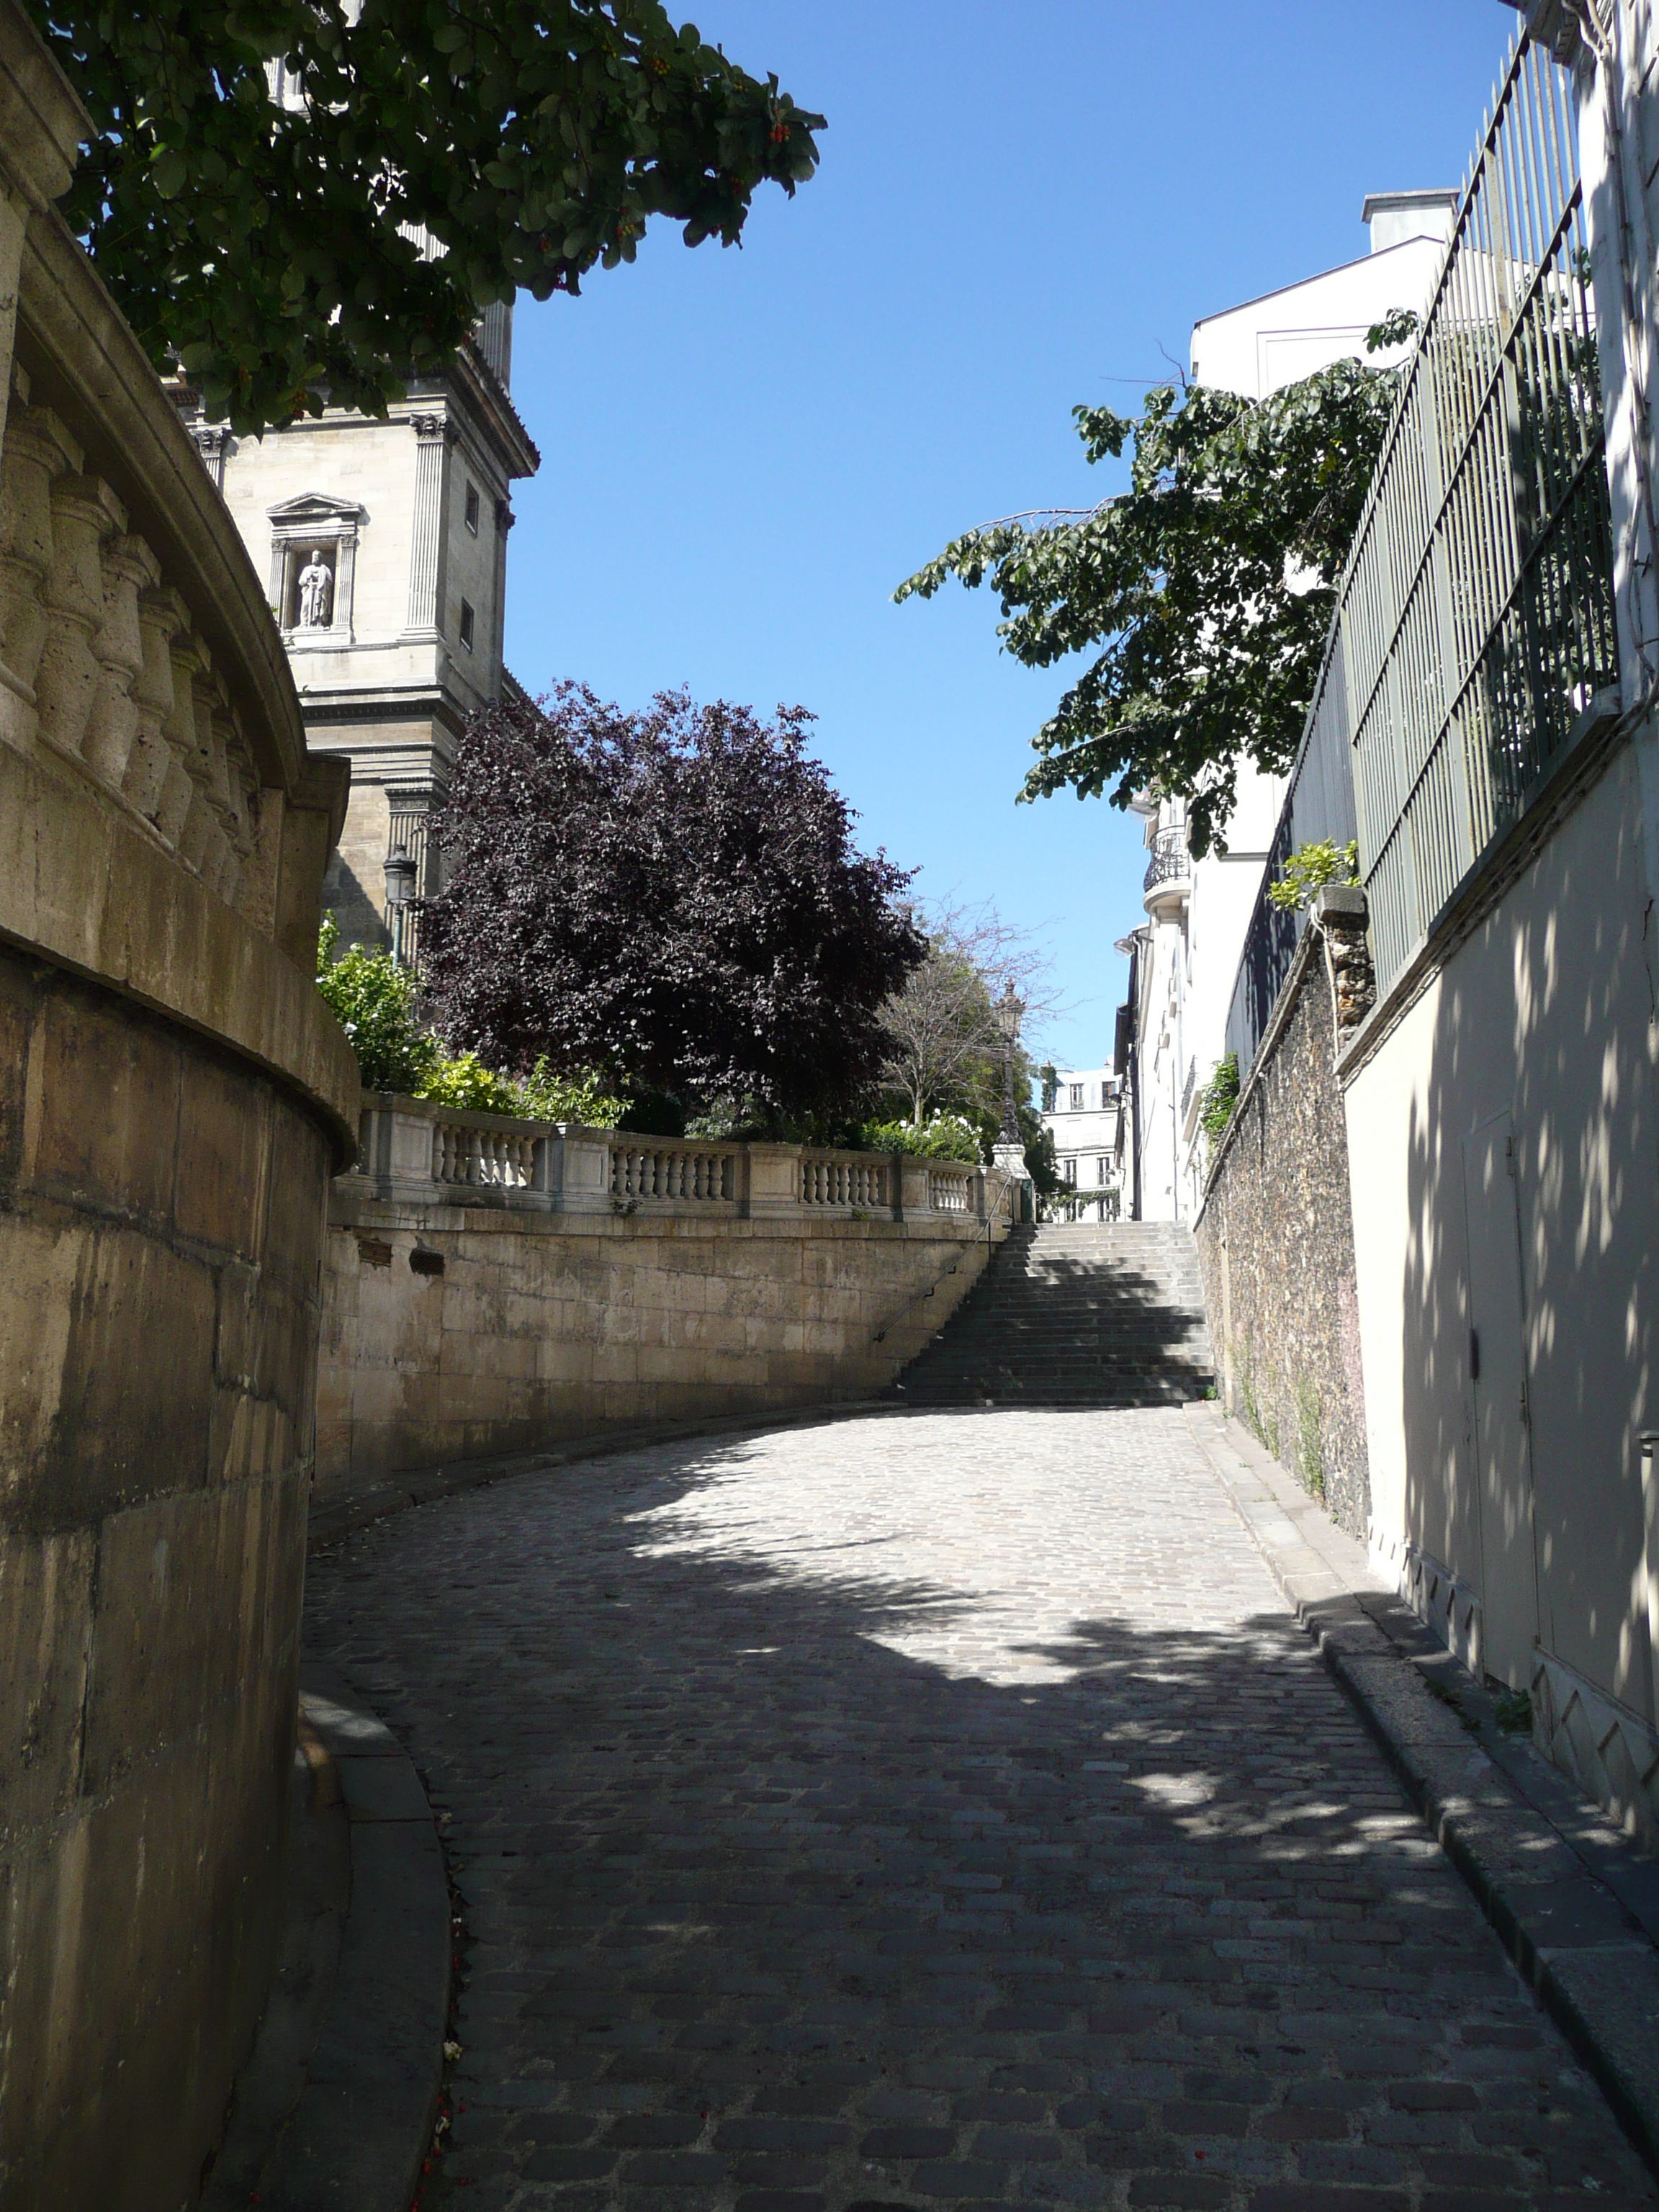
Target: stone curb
x=1574 y=1902
x=362 y=2126
x=394 y=1494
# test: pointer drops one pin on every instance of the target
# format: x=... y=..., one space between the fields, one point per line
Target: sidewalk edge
x=362 y=2128
x=1569 y=1933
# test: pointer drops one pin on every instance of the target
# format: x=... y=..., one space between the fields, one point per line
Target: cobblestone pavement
x=938 y=1811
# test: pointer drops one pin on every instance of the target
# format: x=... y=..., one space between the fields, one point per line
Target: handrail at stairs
x=993 y=1214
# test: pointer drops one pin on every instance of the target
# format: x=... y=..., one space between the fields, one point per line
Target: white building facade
x=1083 y=1120
x=1185 y=957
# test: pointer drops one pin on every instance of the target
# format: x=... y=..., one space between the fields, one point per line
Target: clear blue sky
x=743 y=451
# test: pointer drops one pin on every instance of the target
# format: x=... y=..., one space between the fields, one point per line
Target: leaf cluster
x=1203 y=592
x=303 y=200
x=1219 y=1096
x=672 y=898
x=1310 y=868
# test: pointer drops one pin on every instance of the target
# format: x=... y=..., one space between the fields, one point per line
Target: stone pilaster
x=425 y=567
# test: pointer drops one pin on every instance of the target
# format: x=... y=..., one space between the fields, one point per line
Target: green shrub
x=652 y=1113
x=584 y=1098
x=1309 y=869
x=1219 y=1098
x=373 y=1000
x=465 y=1083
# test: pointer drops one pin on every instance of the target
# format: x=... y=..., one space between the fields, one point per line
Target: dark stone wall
x=161 y=1219
x=1275 y=1243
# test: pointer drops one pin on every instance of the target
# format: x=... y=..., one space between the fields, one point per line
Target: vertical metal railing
x=1474 y=620
x=1477 y=609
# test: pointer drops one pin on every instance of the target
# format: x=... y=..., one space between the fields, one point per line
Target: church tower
x=384 y=545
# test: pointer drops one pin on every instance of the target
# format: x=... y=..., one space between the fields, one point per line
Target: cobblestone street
x=933 y=1810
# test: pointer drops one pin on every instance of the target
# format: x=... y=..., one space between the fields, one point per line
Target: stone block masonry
x=490 y=1287
x=174 y=1098
x=1275 y=1235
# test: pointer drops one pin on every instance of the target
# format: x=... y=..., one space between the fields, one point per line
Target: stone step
x=1182 y=1392
x=1082 y=1317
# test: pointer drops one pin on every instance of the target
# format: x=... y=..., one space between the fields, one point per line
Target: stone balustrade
x=140 y=672
x=411 y=1152
x=643 y=1172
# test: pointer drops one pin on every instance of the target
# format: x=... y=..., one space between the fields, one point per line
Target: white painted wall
x=1546 y=1013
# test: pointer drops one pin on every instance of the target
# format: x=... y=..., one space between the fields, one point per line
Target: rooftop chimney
x=1395 y=216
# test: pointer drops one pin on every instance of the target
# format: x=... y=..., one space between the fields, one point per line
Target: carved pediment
x=313 y=510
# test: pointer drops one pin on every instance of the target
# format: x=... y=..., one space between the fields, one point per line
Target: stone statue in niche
x=316 y=591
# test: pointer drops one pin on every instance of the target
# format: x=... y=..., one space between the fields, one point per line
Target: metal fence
x=1474 y=620
x=1318 y=809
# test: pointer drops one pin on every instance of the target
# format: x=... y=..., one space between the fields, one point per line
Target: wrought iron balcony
x=1169 y=870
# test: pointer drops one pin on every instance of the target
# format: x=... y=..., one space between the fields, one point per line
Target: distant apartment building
x=1186 y=954
x=1082 y=1117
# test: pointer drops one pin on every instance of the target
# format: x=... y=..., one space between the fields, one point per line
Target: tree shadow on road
x=784 y=1878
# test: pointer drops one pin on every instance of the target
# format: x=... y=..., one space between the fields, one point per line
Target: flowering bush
x=946 y=1137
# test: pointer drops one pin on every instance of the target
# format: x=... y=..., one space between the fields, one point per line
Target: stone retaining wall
x=173 y=1098
x=1275 y=1234
x=458 y=1330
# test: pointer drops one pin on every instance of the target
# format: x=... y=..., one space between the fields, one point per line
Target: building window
x=1105 y=1094
x=472 y=508
x=1100 y=1168
x=466 y=625
x=1076 y=1094
x=1071 y=1170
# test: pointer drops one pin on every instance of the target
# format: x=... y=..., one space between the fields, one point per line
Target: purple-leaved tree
x=672 y=897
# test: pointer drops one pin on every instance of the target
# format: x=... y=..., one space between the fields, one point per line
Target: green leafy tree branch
x=1203 y=592
x=297 y=201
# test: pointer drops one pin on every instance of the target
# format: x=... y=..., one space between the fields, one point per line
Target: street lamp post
x=1009 y=1151
x=399 y=895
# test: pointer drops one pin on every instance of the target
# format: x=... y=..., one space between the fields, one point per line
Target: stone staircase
x=1074 y=1315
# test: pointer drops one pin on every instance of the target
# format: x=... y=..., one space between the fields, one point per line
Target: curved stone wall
x=173 y=1098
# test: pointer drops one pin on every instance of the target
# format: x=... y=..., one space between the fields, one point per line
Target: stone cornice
x=487 y=395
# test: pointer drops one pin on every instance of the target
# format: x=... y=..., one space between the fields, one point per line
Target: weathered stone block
x=224 y=1150
x=46 y=1589
x=90 y=1417
x=108 y=1112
